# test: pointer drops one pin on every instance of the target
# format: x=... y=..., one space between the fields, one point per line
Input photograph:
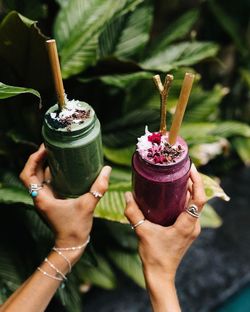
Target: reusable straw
x=181 y=107
x=56 y=71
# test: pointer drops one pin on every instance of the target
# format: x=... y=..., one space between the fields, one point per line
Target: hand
x=70 y=219
x=162 y=248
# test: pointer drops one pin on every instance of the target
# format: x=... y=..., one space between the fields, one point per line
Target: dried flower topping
x=72 y=113
x=154 y=147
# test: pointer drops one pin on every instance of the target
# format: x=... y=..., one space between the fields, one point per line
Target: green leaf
x=130 y=264
x=242 y=146
x=77 y=30
x=119 y=156
x=23 y=53
x=203 y=105
x=231 y=128
x=209 y=217
x=125 y=130
x=177 y=30
x=111 y=207
x=123 y=235
x=12 y=195
x=10 y=91
x=62 y=3
x=180 y=54
x=101 y=275
x=9 y=271
x=12 y=191
x=205 y=132
x=126 y=35
x=125 y=81
x=229 y=25
x=212 y=188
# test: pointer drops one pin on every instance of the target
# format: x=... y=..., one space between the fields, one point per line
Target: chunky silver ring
x=193 y=211
x=96 y=194
x=34 y=188
x=133 y=226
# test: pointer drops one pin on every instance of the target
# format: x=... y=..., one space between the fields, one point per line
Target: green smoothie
x=72 y=137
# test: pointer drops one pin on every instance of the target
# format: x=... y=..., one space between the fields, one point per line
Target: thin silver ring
x=193 y=211
x=133 y=226
x=96 y=194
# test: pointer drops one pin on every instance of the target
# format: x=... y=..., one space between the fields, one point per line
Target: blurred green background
x=109 y=50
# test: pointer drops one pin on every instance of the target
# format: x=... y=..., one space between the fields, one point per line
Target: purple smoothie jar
x=160 y=190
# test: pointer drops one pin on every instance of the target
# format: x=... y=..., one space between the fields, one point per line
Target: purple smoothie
x=160 y=189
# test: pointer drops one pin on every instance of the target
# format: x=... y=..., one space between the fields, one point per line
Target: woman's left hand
x=70 y=219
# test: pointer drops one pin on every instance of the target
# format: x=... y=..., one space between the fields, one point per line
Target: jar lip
x=76 y=129
x=169 y=165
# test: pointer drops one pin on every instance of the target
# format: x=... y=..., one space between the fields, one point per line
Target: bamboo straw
x=163 y=90
x=181 y=107
x=56 y=71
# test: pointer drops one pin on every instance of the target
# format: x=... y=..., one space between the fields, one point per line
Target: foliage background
x=109 y=51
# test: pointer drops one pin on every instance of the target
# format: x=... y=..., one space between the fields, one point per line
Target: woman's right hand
x=162 y=248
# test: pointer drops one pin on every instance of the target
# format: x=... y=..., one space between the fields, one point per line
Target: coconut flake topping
x=155 y=148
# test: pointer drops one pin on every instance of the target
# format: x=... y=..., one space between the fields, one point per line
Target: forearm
x=36 y=292
x=162 y=292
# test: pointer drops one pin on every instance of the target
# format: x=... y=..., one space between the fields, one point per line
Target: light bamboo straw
x=56 y=71
x=181 y=107
x=163 y=90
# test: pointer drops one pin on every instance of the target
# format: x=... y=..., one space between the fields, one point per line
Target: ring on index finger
x=193 y=211
x=34 y=188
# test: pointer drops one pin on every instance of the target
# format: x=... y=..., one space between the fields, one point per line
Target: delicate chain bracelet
x=53 y=267
x=73 y=248
x=50 y=275
x=64 y=257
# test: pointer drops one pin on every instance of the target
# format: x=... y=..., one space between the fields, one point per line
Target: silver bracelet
x=64 y=257
x=73 y=248
x=53 y=267
x=50 y=275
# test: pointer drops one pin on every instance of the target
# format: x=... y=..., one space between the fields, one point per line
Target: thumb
x=132 y=211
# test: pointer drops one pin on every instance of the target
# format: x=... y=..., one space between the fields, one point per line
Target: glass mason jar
x=160 y=190
x=75 y=155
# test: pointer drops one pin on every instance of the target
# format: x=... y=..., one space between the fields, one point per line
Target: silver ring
x=133 y=226
x=34 y=188
x=96 y=194
x=193 y=211
x=48 y=181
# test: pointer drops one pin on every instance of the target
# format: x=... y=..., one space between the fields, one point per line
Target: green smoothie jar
x=73 y=140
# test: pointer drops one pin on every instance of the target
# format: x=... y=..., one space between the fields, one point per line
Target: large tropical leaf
x=126 y=35
x=203 y=105
x=100 y=275
x=119 y=156
x=10 y=91
x=126 y=80
x=77 y=27
x=212 y=188
x=209 y=217
x=124 y=131
x=204 y=132
x=242 y=146
x=180 y=54
x=23 y=53
x=130 y=264
x=177 y=30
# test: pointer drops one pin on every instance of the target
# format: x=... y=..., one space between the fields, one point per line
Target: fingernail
x=128 y=197
x=106 y=171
